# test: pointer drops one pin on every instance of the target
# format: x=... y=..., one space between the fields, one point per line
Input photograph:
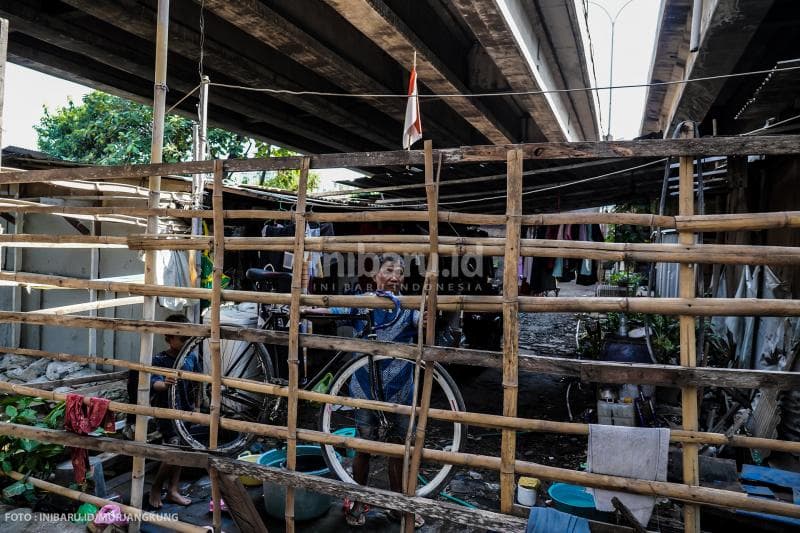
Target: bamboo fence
x=686 y=376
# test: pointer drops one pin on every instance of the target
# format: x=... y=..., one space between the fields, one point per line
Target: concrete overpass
x=735 y=36
x=350 y=46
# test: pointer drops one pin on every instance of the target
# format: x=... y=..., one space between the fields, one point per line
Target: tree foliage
x=108 y=130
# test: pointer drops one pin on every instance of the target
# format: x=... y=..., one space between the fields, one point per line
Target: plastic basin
x=307 y=504
x=250 y=458
x=575 y=500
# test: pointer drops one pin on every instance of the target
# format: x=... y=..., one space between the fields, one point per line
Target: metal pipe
x=154 y=197
x=697 y=18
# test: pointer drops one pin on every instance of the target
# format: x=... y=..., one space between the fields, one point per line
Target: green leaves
x=25 y=455
x=108 y=130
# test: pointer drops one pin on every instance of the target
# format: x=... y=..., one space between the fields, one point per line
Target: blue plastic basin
x=575 y=500
x=307 y=504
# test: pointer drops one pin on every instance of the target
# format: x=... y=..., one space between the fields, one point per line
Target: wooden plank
x=69 y=382
x=438 y=510
x=688 y=347
x=243 y=512
x=508 y=446
x=708 y=146
x=294 y=334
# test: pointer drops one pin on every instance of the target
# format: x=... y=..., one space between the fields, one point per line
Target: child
x=159 y=389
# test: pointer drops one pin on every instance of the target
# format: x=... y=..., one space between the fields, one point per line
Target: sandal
x=397 y=515
x=355 y=513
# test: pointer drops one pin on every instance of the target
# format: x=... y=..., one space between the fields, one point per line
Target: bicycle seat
x=259 y=274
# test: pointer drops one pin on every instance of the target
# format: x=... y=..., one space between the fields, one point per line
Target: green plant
x=27 y=456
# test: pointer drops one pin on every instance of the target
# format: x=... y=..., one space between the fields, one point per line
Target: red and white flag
x=412 y=131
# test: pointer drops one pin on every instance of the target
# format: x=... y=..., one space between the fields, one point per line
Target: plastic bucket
x=250 y=458
x=307 y=504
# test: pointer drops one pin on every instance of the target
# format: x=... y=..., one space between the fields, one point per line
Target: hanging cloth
x=82 y=420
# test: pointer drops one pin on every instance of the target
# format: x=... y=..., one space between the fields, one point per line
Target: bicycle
x=259 y=362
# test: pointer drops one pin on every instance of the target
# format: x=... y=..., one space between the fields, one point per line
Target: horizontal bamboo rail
x=697 y=223
x=665 y=253
x=91 y=306
x=469 y=418
x=531 y=304
x=701 y=495
x=138 y=514
x=598 y=371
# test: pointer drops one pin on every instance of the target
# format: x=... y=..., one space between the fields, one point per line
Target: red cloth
x=82 y=420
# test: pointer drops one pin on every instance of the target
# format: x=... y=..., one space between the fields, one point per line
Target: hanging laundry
x=172 y=270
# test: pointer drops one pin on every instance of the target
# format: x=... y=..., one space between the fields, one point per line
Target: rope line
x=494 y=94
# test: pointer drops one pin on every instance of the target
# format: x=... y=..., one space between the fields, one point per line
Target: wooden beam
x=69 y=382
x=439 y=510
x=273 y=67
x=244 y=512
x=491 y=29
x=708 y=146
x=170 y=454
x=377 y=21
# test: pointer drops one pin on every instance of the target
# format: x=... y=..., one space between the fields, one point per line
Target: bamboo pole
x=432 y=193
x=138 y=514
x=91 y=306
x=595 y=371
x=294 y=335
x=668 y=253
x=697 y=223
x=508 y=444
x=154 y=199
x=472 y=419
x=214 y=341
x=699 y=495
x=688 y=354
x=666 y=306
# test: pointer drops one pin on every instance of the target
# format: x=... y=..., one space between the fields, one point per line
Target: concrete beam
x=224 y=58
x=503 y=30
x=727 y=27
x=377 y=21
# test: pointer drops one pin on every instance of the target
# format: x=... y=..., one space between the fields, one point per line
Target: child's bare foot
x=177 y=497
x=155 y=499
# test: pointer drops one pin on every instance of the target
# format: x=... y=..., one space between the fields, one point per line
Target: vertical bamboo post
x=510 y=326
x=294 y=334
x=154 y=198
x=214 y=342
x=432 y=193
x=686 y=289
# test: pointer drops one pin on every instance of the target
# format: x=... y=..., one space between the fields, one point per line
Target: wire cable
x=495 y=94
x=179 y=102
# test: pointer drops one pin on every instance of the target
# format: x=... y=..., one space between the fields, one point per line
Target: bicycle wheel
x=440 y=434
x=239 y=359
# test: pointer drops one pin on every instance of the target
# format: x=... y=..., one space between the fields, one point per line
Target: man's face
x=175 y=342
x=389 y=277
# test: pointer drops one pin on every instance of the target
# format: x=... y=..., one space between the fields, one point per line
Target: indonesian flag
x=412 y=131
